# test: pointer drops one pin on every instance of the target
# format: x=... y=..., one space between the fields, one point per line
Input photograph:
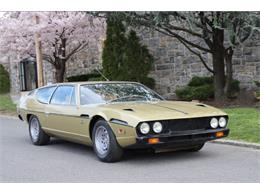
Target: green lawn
x=6 y=104
x=244 y=124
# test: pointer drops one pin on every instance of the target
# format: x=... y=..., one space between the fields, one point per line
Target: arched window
x=28 y=74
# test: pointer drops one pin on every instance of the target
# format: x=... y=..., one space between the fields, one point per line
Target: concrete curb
x=237 y=143
x=9 y=116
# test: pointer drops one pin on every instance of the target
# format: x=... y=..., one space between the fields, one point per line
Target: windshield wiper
x=127 y=97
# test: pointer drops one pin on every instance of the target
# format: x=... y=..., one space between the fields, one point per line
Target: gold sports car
x=113 y=116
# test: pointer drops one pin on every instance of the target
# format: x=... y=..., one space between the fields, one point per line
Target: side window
x=64 y=96
x=44 y=94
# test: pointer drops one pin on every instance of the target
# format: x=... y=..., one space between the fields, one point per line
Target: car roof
x=86 y=82
x=94 y=82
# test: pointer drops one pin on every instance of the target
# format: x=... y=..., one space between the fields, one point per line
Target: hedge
x=4 y=80
x=202 y=88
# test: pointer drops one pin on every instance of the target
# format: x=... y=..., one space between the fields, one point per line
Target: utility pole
x=38 y=48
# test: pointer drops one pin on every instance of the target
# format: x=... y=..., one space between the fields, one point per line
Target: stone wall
x=174 y=65
x=85 y=61
x=12 y=67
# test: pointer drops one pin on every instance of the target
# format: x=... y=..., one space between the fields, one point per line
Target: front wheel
x=37 y=135
x=105 y=144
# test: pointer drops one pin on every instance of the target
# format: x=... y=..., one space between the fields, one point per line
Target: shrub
x=100 y=78
x=124 y=57
x=257 y=83
x=198 y=81
x=198 y=88
x=202 y=88
x=149 y=82
x=189 y=93
x=114 y=47
x=184 y=93
x=203 y=92
x=4 y=80
x=83 y=77
x=234 y=89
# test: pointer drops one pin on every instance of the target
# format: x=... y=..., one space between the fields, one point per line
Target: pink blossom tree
x=62 y=35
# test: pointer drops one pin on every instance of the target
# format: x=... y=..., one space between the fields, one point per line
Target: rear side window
x=64 y=95
x=44 y=94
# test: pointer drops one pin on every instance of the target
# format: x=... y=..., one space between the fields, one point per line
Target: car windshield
x=116 y=92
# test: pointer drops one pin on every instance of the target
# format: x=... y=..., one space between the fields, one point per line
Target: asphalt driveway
x=61 y=161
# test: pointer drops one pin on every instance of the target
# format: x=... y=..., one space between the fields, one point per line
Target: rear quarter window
x=43 y=95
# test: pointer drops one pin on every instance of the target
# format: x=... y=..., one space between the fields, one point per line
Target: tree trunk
x=219 y=76
x=60 y=62
x=218 y=56
x=59 y=74
x=229 y=71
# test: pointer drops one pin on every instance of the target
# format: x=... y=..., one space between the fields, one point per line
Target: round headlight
x=157 y=127
x=214 y=123
x=144 y=128
x=222 y=122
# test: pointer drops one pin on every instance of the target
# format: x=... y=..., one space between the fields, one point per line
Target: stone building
x=174 y=65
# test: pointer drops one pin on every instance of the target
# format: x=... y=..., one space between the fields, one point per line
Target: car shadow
x=152 y=157
x=70 y=146
x=134 y=156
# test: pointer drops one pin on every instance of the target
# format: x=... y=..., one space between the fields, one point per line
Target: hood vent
x=128 y=109
x=201 y=105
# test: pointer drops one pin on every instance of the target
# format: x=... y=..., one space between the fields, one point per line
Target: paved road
x=62 y=161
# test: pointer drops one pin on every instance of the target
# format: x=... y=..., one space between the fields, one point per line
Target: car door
x=64 y=120
x=43 y=96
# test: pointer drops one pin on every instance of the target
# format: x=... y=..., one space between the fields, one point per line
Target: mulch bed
x=244 y=99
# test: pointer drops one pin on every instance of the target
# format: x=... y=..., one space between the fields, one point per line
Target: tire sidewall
x=42 y=138
x=112 y=142
x=30 y=121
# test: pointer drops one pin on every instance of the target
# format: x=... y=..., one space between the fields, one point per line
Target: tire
x=196 y=148
x=105 y=144
x=37 y=135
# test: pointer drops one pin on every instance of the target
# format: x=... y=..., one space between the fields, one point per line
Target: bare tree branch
x=206 y=36
x=48 y=58
x=184 y=30
x=199 y=55
x=196 y=53
x=146 y=21
x=170 y=33
x=78 y=48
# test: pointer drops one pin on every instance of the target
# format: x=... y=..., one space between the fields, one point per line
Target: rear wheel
x=105 y=144
x=37 y=135
x=196 y=148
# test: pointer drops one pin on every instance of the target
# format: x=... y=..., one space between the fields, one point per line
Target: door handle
x=84 y=116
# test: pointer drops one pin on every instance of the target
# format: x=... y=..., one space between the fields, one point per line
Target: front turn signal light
x=220 y=134
x=153 y=140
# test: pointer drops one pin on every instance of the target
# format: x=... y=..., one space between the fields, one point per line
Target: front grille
x=187 y=124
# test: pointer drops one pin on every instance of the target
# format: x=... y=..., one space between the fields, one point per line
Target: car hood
x=161 y=110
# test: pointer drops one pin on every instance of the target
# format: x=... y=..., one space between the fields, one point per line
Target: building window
x=28 y=74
